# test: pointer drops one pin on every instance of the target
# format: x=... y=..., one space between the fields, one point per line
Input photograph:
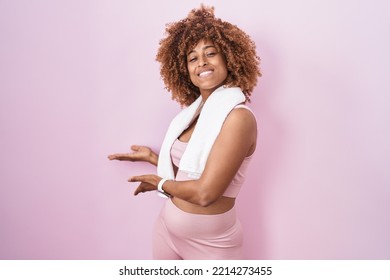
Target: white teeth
x=205 y=73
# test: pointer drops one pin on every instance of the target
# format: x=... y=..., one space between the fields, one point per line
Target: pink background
x=79 y=81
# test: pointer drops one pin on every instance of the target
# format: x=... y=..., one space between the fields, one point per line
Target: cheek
x=190 y=73
x=224 y=73
x=193 y=80
x=191 y=68
x=223 y=66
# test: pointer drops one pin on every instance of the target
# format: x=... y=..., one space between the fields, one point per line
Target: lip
x=205 y=72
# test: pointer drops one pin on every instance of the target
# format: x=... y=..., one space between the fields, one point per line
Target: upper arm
x=236 y=139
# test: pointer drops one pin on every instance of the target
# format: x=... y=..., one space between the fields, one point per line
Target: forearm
x=193 y=191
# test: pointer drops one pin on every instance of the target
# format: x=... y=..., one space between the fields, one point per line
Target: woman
x=211 y=67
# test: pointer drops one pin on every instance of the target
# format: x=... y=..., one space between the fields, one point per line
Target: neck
x=205 y=93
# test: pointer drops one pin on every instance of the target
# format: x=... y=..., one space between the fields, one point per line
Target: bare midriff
x=222 y=205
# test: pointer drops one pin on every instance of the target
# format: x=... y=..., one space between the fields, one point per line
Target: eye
x=210 y=54
x=191 y=59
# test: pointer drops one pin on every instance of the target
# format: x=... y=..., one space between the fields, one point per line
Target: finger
x=114 y=156
x=128 y=157
x=144 y=187
x=135 y=148
x=140 y=178
x=138 y=190
x=118 y=156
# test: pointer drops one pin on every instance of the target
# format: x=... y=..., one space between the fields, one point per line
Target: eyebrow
x=204 y=48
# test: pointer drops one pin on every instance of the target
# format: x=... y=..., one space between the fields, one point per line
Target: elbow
x=206 y=194
x=206 y=200
x=205 y=203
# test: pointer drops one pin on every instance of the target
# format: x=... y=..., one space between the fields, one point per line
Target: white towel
x=213 y=114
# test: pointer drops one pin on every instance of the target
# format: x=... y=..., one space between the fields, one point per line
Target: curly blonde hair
x=236 y=46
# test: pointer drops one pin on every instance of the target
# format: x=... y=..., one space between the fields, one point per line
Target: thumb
x=135 y=148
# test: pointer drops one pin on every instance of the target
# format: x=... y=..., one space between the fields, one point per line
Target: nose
x=202 y=61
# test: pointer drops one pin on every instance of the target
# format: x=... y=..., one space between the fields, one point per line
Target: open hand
x=140 y=153
x=148 y=183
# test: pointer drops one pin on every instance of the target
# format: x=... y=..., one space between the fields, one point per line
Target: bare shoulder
x=241 y=119
x=240 y=130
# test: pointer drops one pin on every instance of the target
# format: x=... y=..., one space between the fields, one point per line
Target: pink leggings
x=180 y=235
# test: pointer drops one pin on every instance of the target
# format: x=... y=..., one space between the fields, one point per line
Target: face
x=207 y=67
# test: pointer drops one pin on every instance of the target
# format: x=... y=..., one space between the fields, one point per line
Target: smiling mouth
x=205 y=73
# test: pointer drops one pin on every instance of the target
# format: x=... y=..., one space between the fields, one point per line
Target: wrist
x=153 y=159
x=160 y=187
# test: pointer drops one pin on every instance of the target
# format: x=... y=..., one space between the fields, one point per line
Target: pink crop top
x=234 y=187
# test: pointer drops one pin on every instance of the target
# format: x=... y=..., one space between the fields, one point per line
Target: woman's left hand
x=149 y=183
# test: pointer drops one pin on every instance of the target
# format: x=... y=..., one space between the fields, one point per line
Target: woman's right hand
x=140 y=153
